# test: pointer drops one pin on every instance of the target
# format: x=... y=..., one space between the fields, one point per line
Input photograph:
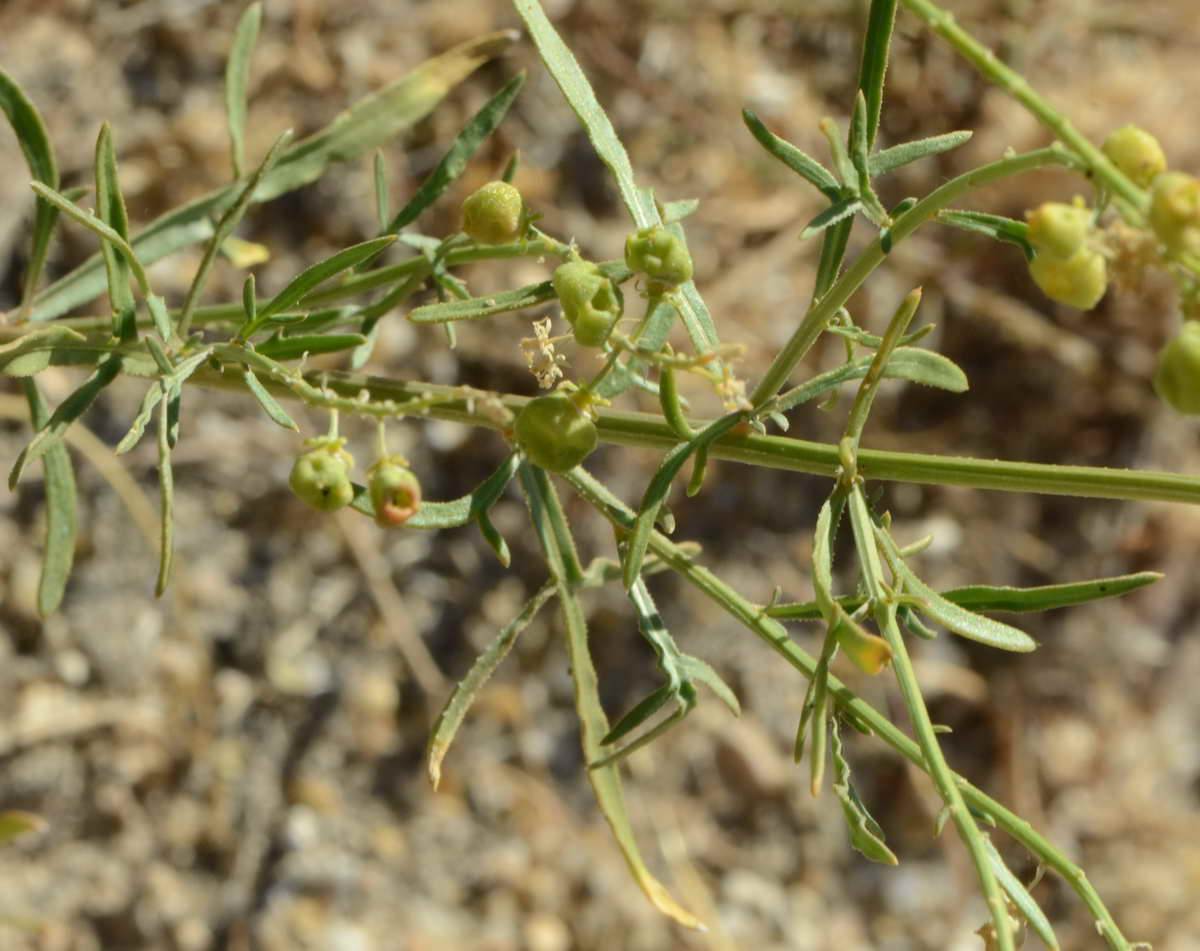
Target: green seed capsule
x=1177 y=379
x=1136 y=153
x=590 y=301
x=660 y=255
x=1059 y=229
x=1077 y=281
x=395 y=491
x=1175 y=211
x=554 y=432
x=321 y=477
x=493 y=214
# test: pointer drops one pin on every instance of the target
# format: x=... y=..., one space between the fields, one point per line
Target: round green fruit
x=395 y=491
x=1077 y=281
x=321 y=477
x=1177 y=379
x=590 y=301
x=1059 y=229
x=1136 y=153
x=554 y=432
x=660 y=255
x=493 y=214
x=1175 y=211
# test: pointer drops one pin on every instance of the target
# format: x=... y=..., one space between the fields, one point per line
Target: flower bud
x=394 y=490
x=493 y=214
x=1136 y=153
x=1077 y=281
x=321 y=475
x=1175 y=211
x=554 y=432
x=590 y=301
x=1059 y=229
x=660 y=255
x=1177 y=379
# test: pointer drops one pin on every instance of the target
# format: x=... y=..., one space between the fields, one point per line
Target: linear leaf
x=799 y=162
x=31 y=353
x=172 y=377
x=237 y=78
x=166 y=489
x=877 y=42
x=223 y=231
x=59 y=553
x=890 y=159
x=110 y=208
x=365 y=126
x=67 y=412
x=958 y=619
x=866 y=835
x=605 y=780
x=475 y=308
x=840 y=210
x=454 y=162
x=996 y=227
x=31 y=135
x=99 y=227
x=656 y=492
x=640 y=203
x=1020 y=896
x=269 y=404
x=312 y=277
x=465 y=691
x=292 y=348
x=674 y=211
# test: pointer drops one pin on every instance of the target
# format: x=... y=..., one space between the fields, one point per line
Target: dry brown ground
x=240 y=765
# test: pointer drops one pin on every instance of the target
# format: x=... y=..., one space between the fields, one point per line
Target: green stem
x=823 y=310
x=777 y=637
x=883 y=606
x=983 y=59
x=651 y=431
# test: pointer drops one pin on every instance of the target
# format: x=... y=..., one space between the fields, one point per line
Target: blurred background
x=241 y=764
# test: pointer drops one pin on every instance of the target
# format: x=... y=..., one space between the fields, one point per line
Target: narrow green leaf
x=891 y=159
x=858 y=147
x=1020 y=897
x=476 y=308
x=269 y=404
x=605 y=780
x=454 y=162
x=237 y=78
x=31 y=353
x=697 y=669
x=510 y=168
x=833 y=250
x=674 y=211
x=173 y=377
x=383 y=200
x=837 y=151
x=160 y=316
x=110 y=208
x=660 y=486
x=866 y=835
x=100 y=228
x=907 y=363
x=640 y=203
x=250 y=300
x=839 y=211
x=312 y=277
x=1047 y=597
x=641 y=712
x=166 y=489
x=494 y=539
x=31 y=135
x=996 y=227
x=68 y=411
x=877 y=42
x=799 y=162
x=292 y=348
x=59 y=553
x=364 y=127
x=223 y=231
x=465 y=691
x=959 y=620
